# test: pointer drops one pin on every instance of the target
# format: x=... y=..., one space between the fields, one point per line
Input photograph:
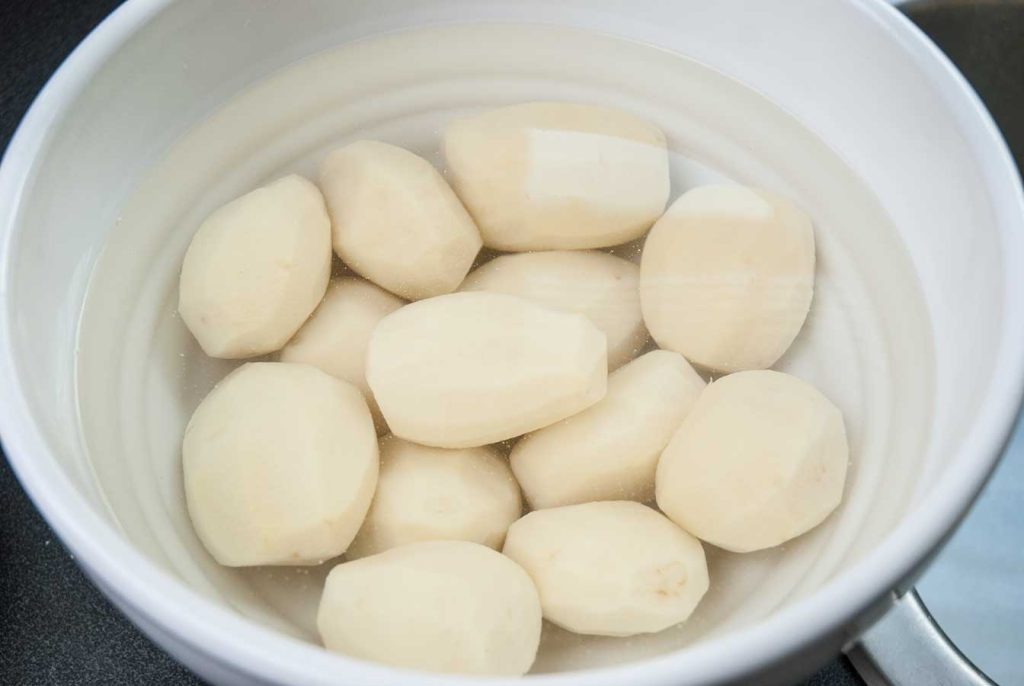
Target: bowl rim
x=168 y=609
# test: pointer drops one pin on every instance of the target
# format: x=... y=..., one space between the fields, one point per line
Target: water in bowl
x=140 y=374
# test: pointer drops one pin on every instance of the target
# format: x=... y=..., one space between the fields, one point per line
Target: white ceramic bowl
x=917 y=329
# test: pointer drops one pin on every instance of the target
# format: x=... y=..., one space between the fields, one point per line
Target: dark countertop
x=55 y=627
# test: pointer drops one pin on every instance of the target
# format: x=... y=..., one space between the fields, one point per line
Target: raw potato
x=469 y=369
x=334 y=339
x=440 y=606
x=396 y=221
x=256 y=268
x=610 y=568
x=610 y=450
x=431 y=494
x=760 y=459
x=548 y=175
x=603 y=287
x=727 y=277
x=280 y=465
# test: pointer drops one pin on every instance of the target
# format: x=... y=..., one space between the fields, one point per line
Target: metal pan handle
x=906 y=647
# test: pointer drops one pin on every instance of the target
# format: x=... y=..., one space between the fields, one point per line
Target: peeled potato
x=256 y=268
x=603 y=287
x=760 y=459
x=727 y=277
x=334 y=339
x=280 y=465
x=610 y=568
x=441 y=606
x=548 y=175
x=396 y=221
x=431 y=494
x=469 y=369
x=610 y=450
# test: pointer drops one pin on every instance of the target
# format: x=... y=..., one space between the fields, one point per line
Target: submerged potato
x=335 y=337
x=549 y=175
x=256 y=268
x=280 y=465
x=431 y=494
x=396 y=221
x=442 y=606
x=603 y=287
x=469 y=369
x=727 y=277
x=610 y=450
x=760 y=459
x=610 y=568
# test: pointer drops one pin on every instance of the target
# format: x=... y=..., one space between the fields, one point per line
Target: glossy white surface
x=853 y=72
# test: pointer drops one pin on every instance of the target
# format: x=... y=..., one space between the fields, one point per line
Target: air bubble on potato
x=760 y=459
x=429 y=494
x=549 y=175
x=256 y=269
x=396 y=221
x=613 y=568
x=469 y=369
x=280 y=464
x=335 y=337
x=603 y=287
x=610 y=450
x=440 y=606
x=727 y=277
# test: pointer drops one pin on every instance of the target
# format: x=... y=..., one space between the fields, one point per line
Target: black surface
x=55 y=627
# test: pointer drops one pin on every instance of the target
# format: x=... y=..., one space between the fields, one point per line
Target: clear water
x=140 y=374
